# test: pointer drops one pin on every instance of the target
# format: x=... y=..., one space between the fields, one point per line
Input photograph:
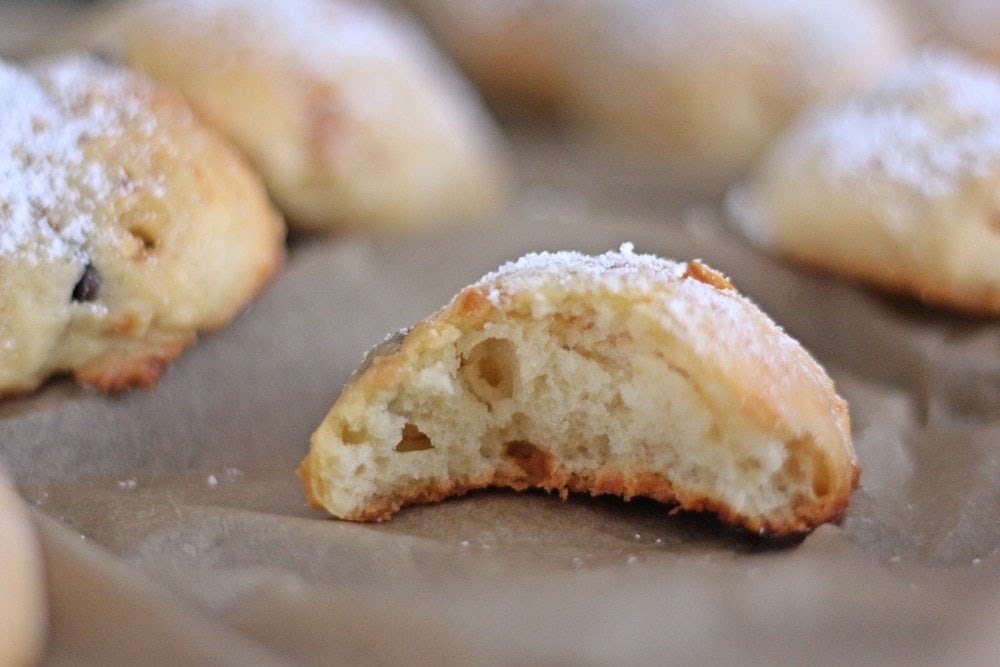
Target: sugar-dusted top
x=623 y=272
x=697 y=307
x=49 y=187
x=615 y=270
x=931 y=125
x=690 y=292
x=691 y=295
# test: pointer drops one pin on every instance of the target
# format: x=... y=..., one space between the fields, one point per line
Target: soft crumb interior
x=533 y=402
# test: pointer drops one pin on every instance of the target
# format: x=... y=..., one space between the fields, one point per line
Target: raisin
x=88 y=286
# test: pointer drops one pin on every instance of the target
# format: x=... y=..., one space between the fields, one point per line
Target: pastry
x=710 y=82
x=126 y=227
x=621 y=374
x=513 y=51
x=351 y=115
x=22 y=589
x=898 y=187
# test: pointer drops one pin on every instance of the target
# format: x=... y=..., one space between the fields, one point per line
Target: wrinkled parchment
x=173 y=515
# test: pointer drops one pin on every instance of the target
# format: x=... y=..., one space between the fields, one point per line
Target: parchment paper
x=175 y=532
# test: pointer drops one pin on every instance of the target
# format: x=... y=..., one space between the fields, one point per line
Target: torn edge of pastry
x=621 y=374
x=23 y=615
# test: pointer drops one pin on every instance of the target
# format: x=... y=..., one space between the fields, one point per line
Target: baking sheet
x=176 y=532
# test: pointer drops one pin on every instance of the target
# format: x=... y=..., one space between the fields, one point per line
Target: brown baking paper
x=176 y=532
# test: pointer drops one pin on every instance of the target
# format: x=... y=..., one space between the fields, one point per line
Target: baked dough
x=711 y=82
x=350 y=113
x=125 y=227
x=22 y=589
x=621 y=374
x=899 y=187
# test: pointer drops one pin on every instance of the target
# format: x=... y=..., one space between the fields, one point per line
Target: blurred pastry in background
x=126 y=226
x=349 y=112
x=22 y=586
x=898 y=187
x=514 y=50
x=711 y=82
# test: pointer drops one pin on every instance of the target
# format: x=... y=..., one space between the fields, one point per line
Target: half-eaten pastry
x=620 y=374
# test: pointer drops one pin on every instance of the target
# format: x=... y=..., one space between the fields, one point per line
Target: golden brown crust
x=313 y=484
x=977 y=302
x=651 y=485
x=117 y=371
x=699 y=271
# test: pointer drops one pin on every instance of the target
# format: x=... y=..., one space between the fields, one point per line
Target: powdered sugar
x=701 y=305
x=929 y=127
x=615 y=270
x=619 y=272
x=49 y=187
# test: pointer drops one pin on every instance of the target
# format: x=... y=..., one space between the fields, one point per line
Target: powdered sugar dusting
x=929 y=127
x=612 y=273
x=615 y=270
x=49 y=188
x=623 y=272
